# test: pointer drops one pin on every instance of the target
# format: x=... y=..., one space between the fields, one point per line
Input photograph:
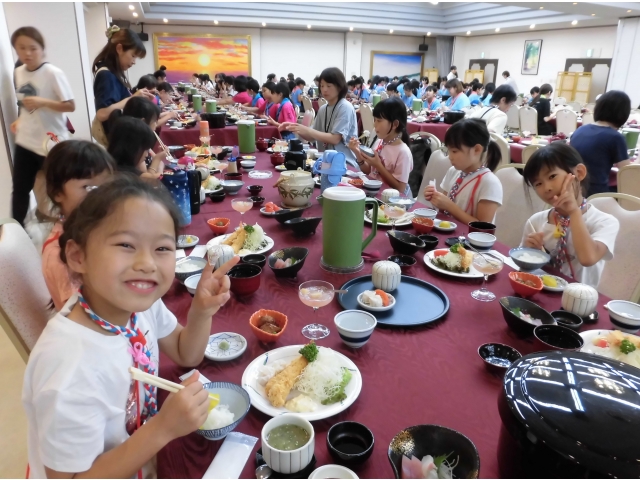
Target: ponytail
x=494 y=156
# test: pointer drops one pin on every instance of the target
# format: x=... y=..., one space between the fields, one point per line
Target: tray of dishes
x=416 y=302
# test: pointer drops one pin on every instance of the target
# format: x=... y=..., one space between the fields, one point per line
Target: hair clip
x=111 y=30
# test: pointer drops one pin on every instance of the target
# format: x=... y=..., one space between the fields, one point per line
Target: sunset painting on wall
x=184 y=55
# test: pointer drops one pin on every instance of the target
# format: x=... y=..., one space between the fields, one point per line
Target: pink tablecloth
x=410 y=376
x=315 y=105
x=220 y=136
x=438 y=129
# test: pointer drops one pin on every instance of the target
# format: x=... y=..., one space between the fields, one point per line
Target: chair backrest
x=297 y=109
x=504 y=148
x=559 y=101
x=437 y=168
x=24 y=297
x=528 y=151
x=575 y=106
x=620 y=278
x=529 y=120
x=322 y=101
x=566 y=121
x=587 y=118
x=366 y=115
x=384 y=96
x=517 y=206
x=513 y=118
x=435 y=141
x=306 y=102
x=590 y=106
x=629 y=183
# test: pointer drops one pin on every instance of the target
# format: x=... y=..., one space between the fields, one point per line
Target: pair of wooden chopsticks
x=161 y=383
x=163 y=146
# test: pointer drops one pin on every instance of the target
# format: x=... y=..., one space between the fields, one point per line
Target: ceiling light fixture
x=131 y=7
x=165 y=20
x=264 y=24
x=575 y=3
x=428 y=34
x=541 y=8
x=308 y=26
x=351 y=29
x=390 y=31
x=433 y=3
x=215 y=22
x=135 y=14
x=628 y=11
x=533 y=25
x=497 y=30
x=468 y=32
x=593 y=14
x=575 y=22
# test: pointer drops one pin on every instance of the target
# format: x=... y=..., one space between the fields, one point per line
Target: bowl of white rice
x=227 y=415
x=529 y=259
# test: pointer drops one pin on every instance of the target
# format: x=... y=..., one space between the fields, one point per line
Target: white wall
x=95 y=22
x=625 y=69
x=58 y=25
x=557 y=46
x=9 y=114
x=352 y=54
x=394 y=43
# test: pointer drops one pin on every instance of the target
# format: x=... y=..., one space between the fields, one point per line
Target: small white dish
x=481 y=239
x=247 y=164
x=248 y=157
x=260 y=174
x=425 y=213
x=333 y=471
x=392 y=303
x=281 y=168
x=192 y=283
x=562 y=284
x=264 y=212
x=237 y=346
x=183 y=243
x=436 y=225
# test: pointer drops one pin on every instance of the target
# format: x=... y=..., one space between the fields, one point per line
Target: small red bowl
x=262 y=144
x=233 y=176
x=422 y=225
x=516 y=139
x=277 y=159
x=525 y=290
x=218 y=229
x=266 y=337
x=244 y=279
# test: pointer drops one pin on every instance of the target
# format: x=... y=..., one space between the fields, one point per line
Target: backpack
x=420 y=151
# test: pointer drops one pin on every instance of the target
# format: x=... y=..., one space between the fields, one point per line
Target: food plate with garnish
x=384 y=221
x=444 y=225
x=270 y=209
x=455 y=262
x=245 y=240
x=187 y=241
x=614 y=344
x=551 y=283
x=376 y=300
x=225 y=346
x=320 y=389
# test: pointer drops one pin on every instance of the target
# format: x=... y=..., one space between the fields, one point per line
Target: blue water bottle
x=178 y=185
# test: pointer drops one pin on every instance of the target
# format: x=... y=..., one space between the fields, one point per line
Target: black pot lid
x=583 y=406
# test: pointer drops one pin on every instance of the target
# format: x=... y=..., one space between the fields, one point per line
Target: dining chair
x=366 y=115
x=620 y=278
x=587 y=118
x=629 y=183
x=24 y=298
x=590 y=106
x=437 y=167
x=559 y=101
x=321 y=102
x=306 y=102
x=435 y=141
x=513 y=118
x=528 y=151
x=528 y=118
x=575 y=106
x=503 y=145
x=519 y=202
x=566 y=121
x=384 y=96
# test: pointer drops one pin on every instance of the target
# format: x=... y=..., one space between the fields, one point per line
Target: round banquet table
x=438 y=129
x=219 y=136
x=429 y=374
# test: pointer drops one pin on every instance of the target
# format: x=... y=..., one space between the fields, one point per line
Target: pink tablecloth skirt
x=438 y=129
x=219 y=136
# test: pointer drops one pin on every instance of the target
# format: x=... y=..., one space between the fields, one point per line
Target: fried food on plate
x=280 y=385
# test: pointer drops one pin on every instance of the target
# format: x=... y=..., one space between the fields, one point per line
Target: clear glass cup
x=394 y=212
x=316 y=294
x=487 y=265
x=241 y=205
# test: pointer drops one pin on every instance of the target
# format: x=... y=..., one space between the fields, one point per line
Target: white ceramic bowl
x=542 y=258
x=231 y=187
x=192 y=283
x=292 y=461
x=333 y=471
x=482 y=240
x=238 y=401
x=624 y=315
x=355 y=327
x=248 y=164
x=392 y=303
x=425 y=213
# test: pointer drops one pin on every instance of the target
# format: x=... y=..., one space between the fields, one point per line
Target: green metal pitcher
x=631 y=137
x=343 y=227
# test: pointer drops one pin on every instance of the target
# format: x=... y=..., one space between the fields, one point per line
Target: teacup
x=484 y=227
x=291 y=461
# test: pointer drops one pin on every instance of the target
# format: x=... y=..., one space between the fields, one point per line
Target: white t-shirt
x=512 y=83
x=47 y=82
x=489 y=189
x=495 y=118
x=601 y=226
x=76 y=389
x=451 y=76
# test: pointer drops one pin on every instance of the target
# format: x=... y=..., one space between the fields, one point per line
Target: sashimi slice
x=411 y=468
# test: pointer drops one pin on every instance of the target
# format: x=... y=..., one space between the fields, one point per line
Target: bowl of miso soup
x=288 y=443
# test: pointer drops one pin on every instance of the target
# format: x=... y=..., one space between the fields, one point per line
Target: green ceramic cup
x=212 y=106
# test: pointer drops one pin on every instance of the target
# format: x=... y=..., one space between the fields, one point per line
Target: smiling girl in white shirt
x=86 y=418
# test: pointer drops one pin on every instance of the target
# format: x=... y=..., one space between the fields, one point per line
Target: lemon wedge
x=445 y=224
x=549 y=281
x=214 y=400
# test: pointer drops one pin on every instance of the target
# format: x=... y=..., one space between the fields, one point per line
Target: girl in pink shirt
x=285 y=111
x=242 y=97
x=392 y=161
x=72 y=169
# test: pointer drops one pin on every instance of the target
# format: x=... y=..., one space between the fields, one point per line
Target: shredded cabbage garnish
x=255 y=237
x=322 y=378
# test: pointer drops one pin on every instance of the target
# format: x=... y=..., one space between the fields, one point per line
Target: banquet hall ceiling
x=405 y=18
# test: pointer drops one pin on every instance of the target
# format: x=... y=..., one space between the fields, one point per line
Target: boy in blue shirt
x=431 y=102
x=297 y=91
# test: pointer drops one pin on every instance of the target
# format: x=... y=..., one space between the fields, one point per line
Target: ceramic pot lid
x=584 y=406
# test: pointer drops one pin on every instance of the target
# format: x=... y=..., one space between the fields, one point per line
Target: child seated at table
x=285 y=112
x=392 y=161
x=457 y=101
x=392 y=90
x=241 y=97
x=469 y=192
x=409 y=92
x=578 y=236
x=431 y=102
x=130 y=140
x=296 y=92
x=72 y=169
x=85 y=415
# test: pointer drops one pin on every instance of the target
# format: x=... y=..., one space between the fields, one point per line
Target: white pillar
x=624 y=66
x=352 y=54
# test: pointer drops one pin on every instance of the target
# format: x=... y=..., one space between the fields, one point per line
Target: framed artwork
x=184 y=55
x=390 y=64
x=531 y=57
